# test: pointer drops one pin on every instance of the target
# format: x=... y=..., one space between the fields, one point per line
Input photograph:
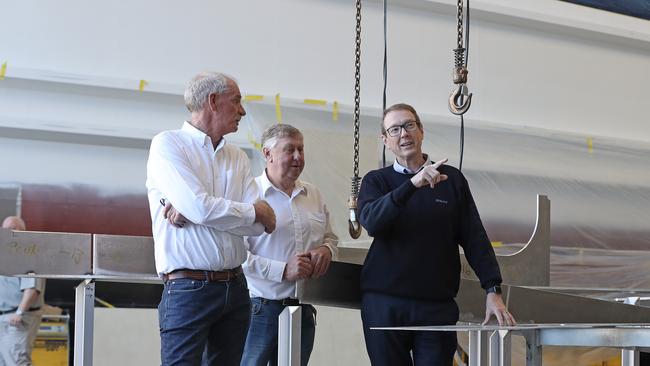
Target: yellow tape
x=497 y=244
x=253 y=98
x=143 y=83
x=335 y=111
x=251 y=139
x=103 y=302
x=3 y=70
x=315 y=101
x=278 y=111
x=590 y=144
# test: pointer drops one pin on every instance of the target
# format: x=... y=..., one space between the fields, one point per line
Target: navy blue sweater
x=416 y=235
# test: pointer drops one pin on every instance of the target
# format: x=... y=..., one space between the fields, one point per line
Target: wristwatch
x=494 y=289
x=19 y=312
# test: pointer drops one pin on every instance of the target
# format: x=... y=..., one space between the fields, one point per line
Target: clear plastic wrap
x=599 y=188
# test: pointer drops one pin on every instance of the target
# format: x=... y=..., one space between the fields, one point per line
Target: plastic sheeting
x=599 y=188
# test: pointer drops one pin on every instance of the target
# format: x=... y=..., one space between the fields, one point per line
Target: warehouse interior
x=557 y=110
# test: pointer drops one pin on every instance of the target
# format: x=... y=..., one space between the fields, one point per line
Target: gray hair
x=271 y=135
x=202 y=85
x=14 y=223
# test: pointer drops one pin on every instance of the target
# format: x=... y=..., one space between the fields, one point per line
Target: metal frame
x=634 y=337
x=289 y=336
x=478 y=348
x=500 y=348
x=84 y=323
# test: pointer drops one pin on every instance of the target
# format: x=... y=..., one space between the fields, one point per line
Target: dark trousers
x=198 y=315
x=406 y=348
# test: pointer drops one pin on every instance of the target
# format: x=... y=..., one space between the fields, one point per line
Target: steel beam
x=24 y=252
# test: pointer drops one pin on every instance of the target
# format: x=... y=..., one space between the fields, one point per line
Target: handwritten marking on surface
x=75 y=254
x=29 y=250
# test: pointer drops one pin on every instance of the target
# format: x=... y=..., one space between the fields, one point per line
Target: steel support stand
x=83 y=323
x=500 y=348
x=478 y=348
x=289 y=329
x=630 y=357
x=533 y=348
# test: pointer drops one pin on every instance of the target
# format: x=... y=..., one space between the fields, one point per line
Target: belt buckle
x=221 y=276
x=229 y=276
x=290 y=302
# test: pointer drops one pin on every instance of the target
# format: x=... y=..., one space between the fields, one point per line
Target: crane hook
x=460 y=100
x=353 y=224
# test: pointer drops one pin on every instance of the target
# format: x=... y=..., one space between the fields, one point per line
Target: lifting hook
x=460 y=100
x=353 y=224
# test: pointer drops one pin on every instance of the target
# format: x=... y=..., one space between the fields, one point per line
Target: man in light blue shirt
x=21 y=300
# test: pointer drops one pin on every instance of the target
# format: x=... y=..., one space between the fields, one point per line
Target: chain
x=459 y=27
x=357 y=101
x=459 y=52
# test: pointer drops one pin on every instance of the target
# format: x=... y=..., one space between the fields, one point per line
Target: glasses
x=408 y=126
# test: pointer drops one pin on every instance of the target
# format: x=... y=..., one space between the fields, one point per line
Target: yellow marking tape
x=315 y=101
x=253 y=98
x=143 y=83
x=105 y=303
x=590 y=144
x=3 y=70
x=497 y=244
x=253 y=142
x=335 y=111
x=278 y=111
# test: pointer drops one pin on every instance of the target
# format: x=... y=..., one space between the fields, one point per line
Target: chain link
x=357 y=101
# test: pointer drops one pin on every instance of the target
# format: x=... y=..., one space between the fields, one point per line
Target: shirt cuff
x=276 y=271
x=333 y=250
x=248 y=214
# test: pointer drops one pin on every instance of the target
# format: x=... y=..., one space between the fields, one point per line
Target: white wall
x=542 y=63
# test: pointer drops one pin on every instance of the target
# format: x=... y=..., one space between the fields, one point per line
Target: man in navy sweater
x=418 y=213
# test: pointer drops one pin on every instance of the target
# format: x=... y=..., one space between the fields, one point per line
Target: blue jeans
x=195 y=315
x=393 y=348
x=262 y=341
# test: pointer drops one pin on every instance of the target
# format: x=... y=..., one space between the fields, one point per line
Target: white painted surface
x=541 y=63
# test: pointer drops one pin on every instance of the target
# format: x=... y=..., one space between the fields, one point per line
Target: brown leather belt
x=210 y=276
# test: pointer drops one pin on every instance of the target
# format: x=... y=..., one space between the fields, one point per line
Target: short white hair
x=14 y=223
x=271 y=135
x=202 y=85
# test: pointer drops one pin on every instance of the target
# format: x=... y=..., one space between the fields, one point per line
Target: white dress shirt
x=302 y=223
x=212 y=188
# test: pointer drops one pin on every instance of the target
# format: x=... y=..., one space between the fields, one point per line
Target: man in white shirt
x=21 y=300
x=204 y=304
x=302 y=246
